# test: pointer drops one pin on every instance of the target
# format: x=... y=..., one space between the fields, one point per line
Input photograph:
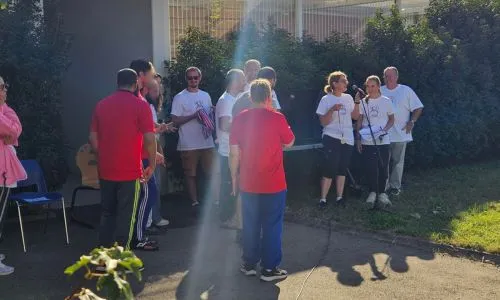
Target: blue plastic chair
x=40 y=197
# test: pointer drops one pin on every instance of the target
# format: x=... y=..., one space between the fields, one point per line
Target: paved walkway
x=202 y=263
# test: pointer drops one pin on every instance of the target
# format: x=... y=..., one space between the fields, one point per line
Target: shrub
x=438 y=58
x=33 y=60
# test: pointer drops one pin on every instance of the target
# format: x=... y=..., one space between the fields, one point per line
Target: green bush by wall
x=451 y=59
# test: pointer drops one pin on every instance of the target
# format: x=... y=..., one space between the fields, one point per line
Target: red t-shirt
x=261 y=133
x=120 y=121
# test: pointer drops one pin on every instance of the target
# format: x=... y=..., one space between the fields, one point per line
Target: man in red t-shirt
x=121 y=123
x=258 y=136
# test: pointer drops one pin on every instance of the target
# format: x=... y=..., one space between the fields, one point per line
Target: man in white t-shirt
x=407 y=109
x=251 y=69
x=195 y=148
x=252 y=73
x=235 y=83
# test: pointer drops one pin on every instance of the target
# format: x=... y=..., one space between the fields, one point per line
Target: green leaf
x=124 y=287
x=84 y=260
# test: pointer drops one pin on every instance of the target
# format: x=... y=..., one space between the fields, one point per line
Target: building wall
x=107 y=36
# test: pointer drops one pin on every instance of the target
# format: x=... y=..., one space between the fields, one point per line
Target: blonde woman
x=336 y=110
x=372 y=141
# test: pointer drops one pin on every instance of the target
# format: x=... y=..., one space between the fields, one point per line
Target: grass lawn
x=458 y=206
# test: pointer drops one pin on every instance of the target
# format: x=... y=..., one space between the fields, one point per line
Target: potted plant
x=110 y=267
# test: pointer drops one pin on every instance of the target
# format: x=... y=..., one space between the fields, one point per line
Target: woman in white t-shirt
x=336 y=111
x=375 y=120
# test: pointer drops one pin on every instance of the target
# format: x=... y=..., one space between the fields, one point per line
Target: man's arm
x=150 y=145
x=416 y=114
x=94 y=141
x=416 y=108
x=181 y=120
x=286 y=134
x=225 y=124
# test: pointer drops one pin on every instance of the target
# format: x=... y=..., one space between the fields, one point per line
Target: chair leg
x=65 y=223
x=21 y=224
x=46 y=219
x=73 y=199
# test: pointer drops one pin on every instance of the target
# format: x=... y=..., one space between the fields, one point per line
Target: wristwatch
x=357 y=102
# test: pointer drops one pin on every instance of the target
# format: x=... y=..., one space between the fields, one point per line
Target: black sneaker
x=248 y=270
x=274 y=274
x=322 y=203
x=146 y=245
x=340 y=202
x=395 y=192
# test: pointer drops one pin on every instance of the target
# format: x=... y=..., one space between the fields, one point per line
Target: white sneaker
x=162 y=223
x=371 y=198
x=2 y=256
x=5 y=270
x=384 y=199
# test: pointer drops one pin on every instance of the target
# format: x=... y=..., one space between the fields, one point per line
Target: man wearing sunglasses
x=194 y=147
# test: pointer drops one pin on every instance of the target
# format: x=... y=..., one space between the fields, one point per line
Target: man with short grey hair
x=251 y=69
x=235 y=83
x=407 y=110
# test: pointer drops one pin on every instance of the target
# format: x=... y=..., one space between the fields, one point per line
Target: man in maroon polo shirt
x=121 y=123
x=258 y=136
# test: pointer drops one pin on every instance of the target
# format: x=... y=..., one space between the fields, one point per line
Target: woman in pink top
x=11 y=169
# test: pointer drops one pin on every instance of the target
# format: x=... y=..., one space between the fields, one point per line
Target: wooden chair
x=86 y=160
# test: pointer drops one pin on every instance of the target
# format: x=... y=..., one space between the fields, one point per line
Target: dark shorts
x=337 y=157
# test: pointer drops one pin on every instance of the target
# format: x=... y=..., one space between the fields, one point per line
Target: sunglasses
x=4 y=87
x=193 y=77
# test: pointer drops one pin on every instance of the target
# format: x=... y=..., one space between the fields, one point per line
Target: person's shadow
x=383 y=258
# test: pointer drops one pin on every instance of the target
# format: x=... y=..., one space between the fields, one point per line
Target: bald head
x=251 y=69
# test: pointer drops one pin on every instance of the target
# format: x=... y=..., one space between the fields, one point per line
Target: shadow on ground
x=201 y=261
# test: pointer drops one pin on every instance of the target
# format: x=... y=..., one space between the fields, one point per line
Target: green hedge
x=451 y=59
x=33 y=58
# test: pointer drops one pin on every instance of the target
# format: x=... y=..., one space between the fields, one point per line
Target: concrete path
x=202 y=263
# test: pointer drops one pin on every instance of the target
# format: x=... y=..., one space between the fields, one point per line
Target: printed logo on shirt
x=374 y=111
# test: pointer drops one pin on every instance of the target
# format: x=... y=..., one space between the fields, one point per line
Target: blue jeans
x=149 y=196
x=262 y=213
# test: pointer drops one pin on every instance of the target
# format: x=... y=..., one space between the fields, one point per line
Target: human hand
x=336 y=107
x=170 y=127
x=357 y=97
x=147 y=174
x=160 y=159
x=409 y=127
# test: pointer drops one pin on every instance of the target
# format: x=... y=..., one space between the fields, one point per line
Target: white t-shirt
x=191 y=135
x=224 y=108
x=155 y=117
x=341 y=124
x=404 y=101
x=274 y=98
x=378 y=111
